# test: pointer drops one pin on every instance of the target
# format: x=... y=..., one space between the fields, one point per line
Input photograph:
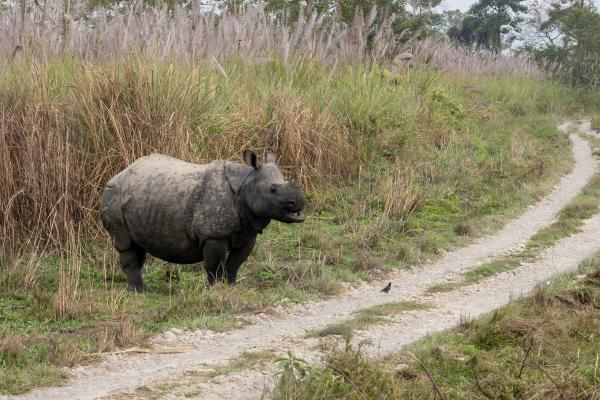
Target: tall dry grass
x=70 y=28
x=68 y=130
x=84 y=93
x=446 y=57
x=59 y=28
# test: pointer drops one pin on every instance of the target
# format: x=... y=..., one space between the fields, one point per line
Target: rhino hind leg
x=112 y=218
x=131 y=256
x=215 y=254
x=132 y=262
x=236 y=258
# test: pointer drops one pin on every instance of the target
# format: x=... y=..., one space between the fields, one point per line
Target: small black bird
x=387 y=288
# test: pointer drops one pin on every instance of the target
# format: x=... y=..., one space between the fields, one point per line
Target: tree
x=568 y=33
x=446 y=20
x=289 y=10
x=490 y=24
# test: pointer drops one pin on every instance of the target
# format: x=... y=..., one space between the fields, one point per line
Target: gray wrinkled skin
x=185 y=213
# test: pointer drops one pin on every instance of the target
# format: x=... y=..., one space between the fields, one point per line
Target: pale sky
x=464 y=5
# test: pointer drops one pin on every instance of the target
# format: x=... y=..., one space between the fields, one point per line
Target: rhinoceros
x=185 y=213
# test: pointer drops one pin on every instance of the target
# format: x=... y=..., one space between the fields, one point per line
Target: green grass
x=393 y=308
x=596 y=123
x=570 y=219
x=246 y=360
x=443 y=287
x=490 y=269
x=366 y=318
x=545 y=346
x=424 y=162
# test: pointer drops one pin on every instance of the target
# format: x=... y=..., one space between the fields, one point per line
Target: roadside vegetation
x=570 y=219
x=596 y=123
x=545 y=346
x=400 y=160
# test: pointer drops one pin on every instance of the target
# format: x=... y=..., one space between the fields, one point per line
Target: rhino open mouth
x=295 y=216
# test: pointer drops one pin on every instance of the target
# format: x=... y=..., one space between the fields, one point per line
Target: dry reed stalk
x=313 y=144
x=196 y=36
x=403 y=193
x=67 y=301
x=189 y=34
x=444 y=56
x=127 y=334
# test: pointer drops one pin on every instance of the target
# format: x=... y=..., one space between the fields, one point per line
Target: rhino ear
x=251 y=159
x=271 y=158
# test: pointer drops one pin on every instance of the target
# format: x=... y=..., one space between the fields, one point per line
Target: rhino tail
x=111 y=214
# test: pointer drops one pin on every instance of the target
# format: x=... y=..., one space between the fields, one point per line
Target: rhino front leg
x=215 y=253
x=236 y=258
x=132 y=262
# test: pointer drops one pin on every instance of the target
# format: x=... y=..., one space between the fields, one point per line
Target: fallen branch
x=486 y=394
x=525 y=358
x=347 y=379
x=579 y=335
x=543 y=371
x=137 y=350
x=433 y=383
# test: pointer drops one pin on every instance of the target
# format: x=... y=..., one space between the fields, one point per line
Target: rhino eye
x=273 y=189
